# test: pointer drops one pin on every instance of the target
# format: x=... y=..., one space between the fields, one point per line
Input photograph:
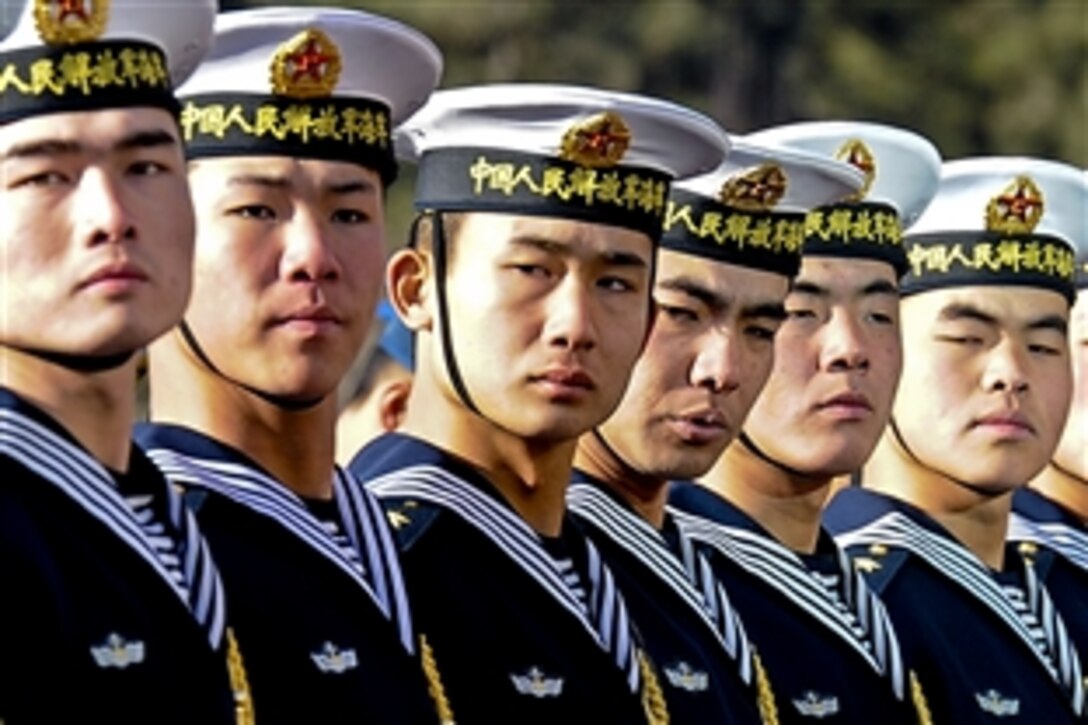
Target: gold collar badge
x=306 y=66
x=860 y=156
x=1017 y=209
x=597 y=142
x=756 y=189
x=64 y=22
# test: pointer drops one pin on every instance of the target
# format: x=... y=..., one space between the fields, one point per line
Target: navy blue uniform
x=978 y=655
x=830 y=658
x=323 y=619
x=708 y=668
x=1055 y=541
x=523 y=629
x=95 y=627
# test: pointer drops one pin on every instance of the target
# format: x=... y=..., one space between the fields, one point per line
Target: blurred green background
x=975 y=76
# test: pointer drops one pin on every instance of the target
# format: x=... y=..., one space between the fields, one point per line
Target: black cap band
x=84 y=77
x=355 y=130
x=765 y=240
x=866 y=230
x=495 y=180
x=968 y=259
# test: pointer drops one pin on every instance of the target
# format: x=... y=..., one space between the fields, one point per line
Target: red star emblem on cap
x=72 y=7
x=1020 y=204
x=309 y=61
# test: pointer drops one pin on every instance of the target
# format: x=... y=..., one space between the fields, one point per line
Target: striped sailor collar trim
x=1037 y=508
x=191 y=442
x=855 y=507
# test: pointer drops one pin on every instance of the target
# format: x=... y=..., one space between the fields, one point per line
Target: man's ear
x=409 y=283
x=393 y=403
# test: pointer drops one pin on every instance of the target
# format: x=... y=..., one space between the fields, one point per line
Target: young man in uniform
x=378 y=400
x=837 y=360
x=732 y=242
x=528 y=288
x=113 y=607
x=979 y=410
x=288 y=126
x=1050 y=516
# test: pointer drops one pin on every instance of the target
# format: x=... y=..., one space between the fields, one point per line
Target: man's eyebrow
x=772 y=310
x=355 y=186
x=805 y=287
x=880 y=287
x=687 y=286
x=551 y=246
x=41 y=147
x=265 y=180
x=965 y=311
x=146 y=139
x=1049 y=322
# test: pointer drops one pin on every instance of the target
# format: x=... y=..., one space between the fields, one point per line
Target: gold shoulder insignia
x=64 y=22
x=860 y=156
x=600 y=141
x=306 y=66
x=756 y=189
x=768 y=708
x=1017 y=209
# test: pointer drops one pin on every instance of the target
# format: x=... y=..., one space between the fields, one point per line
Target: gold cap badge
x=306 y=66
x=756 y=189
x=860 y=156
x=597 y=142
x=64 y=22
x=1017 y=209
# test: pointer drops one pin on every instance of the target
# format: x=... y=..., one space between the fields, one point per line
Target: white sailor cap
x=583 y=153
x=1001 y=221
x=79 y=55
x=308 y=82
x=901 y=171
x=750 y=211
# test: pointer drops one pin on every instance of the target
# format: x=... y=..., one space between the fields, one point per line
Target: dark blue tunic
x=89 y=630
x=508 y=649
x=702 y=682
x=1061 y=565
x=317 y=646
x=818 y=671
x=974 y=665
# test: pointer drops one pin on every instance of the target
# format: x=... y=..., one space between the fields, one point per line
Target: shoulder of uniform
x=409 y=518
x=878 y=562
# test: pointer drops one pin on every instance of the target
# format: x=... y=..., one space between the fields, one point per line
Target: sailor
x=113 y=609
x=732 y=243
x=1050 y=516
x=980 y=407
x=837 y=359
x=528 y=290
x=288 y=124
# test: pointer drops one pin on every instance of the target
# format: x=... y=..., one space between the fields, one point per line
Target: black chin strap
x=438 y=248
x=902 y=441
x=77 y=363
x=747 y=442
x=279 y=401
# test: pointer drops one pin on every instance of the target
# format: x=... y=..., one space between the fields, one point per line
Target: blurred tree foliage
x=975 y=76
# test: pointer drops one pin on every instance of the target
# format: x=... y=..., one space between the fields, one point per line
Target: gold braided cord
x=768 y=710
x=653 y=698
x=239 y=683
x=434 y=682
x=921 y=706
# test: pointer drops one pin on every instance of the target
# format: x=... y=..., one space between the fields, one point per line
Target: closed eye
x=259 y=212
x=678 y=314
x=46 y=178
